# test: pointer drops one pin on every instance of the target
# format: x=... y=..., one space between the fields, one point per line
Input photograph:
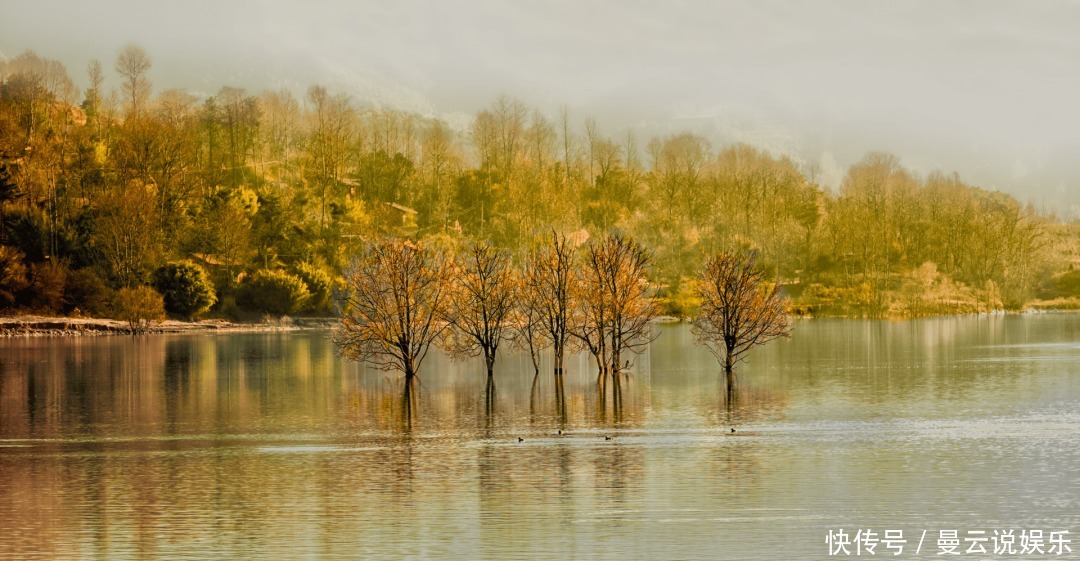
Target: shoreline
x=58 y=326
x=54 y=326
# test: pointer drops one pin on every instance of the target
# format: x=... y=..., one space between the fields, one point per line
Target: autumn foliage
x=395 y=302
x=740 y=308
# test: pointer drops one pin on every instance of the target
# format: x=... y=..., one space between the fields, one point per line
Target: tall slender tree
x=133 y=64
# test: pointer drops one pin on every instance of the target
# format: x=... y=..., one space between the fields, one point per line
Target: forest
x=247 y=205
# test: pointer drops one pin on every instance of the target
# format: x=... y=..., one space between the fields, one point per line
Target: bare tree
x=547 y=288
x=740 y=310
x=527 y=330
x=395 y=298
x=592 y=301
x=480 y=303
x=614 y=301
x=632 y=307
x=330 y=128
x=132 y=64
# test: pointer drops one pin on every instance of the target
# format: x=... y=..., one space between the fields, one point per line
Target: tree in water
x=632 y=304
x=547 y=288
x=480 y=302
x=527 y=331
x=395 y=298
x=740 y=310
x=615 y=303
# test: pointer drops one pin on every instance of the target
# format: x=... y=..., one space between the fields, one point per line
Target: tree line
x=242 y=204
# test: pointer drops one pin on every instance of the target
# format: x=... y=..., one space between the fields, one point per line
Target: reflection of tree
x=560 y=400
x=615 y=383
x=747 y=402
x=408 y=405
x=489 y=402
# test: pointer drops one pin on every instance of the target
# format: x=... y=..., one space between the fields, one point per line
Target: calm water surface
x=267 y=446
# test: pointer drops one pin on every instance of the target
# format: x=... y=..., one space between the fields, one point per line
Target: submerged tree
x=547 y=289
x=592 y=305
x=615 y=306
x=631 y=305
x=527 y=330
x=395 y=297
x=740 y=310
x=480 y=302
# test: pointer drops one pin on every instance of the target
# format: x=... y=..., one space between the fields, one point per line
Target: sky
x=987 y=89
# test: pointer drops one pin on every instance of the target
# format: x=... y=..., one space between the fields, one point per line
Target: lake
x=268 y=446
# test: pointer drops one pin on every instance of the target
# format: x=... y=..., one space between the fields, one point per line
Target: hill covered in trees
x=265 y=198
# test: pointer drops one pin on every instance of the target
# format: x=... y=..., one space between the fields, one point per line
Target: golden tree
x=615 y=304
x=395 y=298
x=631 y=305
x=547 y=291
x=480 y=303
x=740 y=310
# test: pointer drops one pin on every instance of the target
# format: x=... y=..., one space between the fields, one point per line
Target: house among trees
x=395 y=215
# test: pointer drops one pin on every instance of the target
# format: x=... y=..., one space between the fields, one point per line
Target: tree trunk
x=601 y=364
x=534 y=354
x=558 y=359
x=729 y=358
x=489 y=359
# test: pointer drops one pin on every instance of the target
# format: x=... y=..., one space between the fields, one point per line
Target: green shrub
x=86 y=294
x=139 y=307
x=273 y=292
x=185 y=288
x=319 y=284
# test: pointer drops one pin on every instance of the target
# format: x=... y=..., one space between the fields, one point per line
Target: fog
x=986 y=89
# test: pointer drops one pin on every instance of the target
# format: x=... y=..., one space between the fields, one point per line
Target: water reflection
x=268 y=446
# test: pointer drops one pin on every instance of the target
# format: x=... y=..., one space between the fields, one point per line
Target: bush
x=46 y=291
x=12 y=275
x=683 y=301
x=86 y=293
x=1067 y=283
x=139 y=307
x=319 y=284
x=273 y=292
x=185 y=288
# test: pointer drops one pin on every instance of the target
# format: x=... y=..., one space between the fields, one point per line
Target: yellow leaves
x=246 y=200
x=101 y=153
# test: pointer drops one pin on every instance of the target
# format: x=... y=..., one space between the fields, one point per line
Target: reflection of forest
x=274 y=383
x=130 y=386
x=107 y=444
